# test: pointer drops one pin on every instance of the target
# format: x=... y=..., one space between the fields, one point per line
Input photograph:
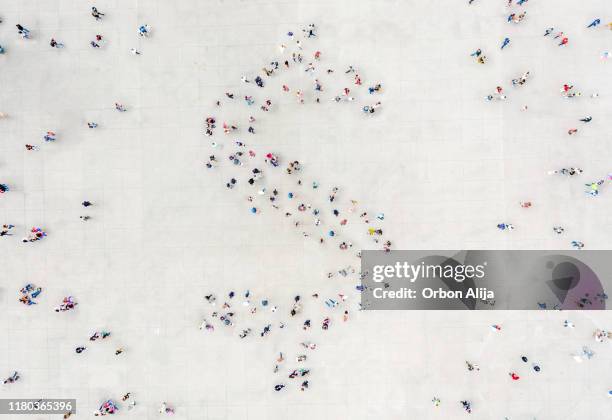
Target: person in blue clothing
x=594 y=23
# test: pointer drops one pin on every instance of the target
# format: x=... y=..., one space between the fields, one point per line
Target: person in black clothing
x=96 y=14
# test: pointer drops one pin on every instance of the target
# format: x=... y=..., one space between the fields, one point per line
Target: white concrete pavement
x=443 y=164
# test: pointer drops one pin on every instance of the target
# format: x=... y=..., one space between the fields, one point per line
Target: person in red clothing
x=514 y=376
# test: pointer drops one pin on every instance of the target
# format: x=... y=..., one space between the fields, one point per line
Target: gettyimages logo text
x=413 y=272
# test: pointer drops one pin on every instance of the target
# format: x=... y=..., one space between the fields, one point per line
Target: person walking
x=96 y=14
x=56 y=44
x=594 y=23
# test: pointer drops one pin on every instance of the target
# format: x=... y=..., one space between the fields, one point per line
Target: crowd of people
x=567 y=91
x=326 y=225
x=318 y=213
